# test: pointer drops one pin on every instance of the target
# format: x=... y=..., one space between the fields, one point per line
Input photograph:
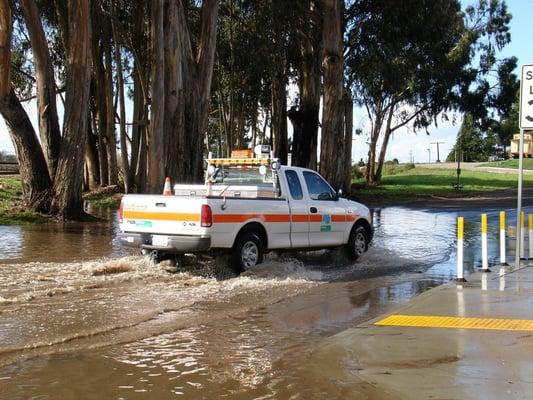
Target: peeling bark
x=36 y=183
x=49 y=130
x=331 y=165
x=67 y=202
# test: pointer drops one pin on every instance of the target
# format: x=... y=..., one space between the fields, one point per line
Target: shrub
x=356 y=172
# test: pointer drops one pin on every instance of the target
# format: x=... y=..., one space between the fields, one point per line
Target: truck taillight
x=206 y=217
x=121 y=212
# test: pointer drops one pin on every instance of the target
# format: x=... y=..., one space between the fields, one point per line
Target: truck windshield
x=243 y=175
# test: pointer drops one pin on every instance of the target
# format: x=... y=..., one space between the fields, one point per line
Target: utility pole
x=411 y=157
x=429 y=156
x=438 y=155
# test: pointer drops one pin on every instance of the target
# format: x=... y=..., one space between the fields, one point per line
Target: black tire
x=357 y=243
x=247 y=252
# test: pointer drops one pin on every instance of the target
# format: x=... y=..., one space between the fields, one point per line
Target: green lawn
x=439 y=182
x=106 y=198
x=528 y=164
x=12 y=211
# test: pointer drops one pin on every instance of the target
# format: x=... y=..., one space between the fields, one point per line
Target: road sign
x=526 y=97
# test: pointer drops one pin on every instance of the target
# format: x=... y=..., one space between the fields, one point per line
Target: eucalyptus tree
x=331 y=156
x=410 y=63
x=183 y=55
x=59 y=193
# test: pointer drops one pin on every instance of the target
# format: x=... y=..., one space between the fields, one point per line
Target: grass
x=422 y=182
x=108 y=197
x=12 y=211
x=528 y=164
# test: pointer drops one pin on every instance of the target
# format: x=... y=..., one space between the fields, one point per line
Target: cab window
x=294 y=184
x=318 y=188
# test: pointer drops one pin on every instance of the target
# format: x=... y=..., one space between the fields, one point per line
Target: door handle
x=313 y=210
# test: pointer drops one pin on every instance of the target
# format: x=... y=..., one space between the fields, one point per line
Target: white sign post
x=526 y=122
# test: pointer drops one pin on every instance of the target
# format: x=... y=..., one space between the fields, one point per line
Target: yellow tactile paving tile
x=431 y=321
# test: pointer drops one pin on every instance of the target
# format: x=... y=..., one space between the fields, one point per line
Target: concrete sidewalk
x=411 y=362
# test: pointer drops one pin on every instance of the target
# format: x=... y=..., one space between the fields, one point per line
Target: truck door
x=327 y=219
x=298 y=210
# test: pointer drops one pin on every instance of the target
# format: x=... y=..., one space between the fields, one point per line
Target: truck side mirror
x=339 y=193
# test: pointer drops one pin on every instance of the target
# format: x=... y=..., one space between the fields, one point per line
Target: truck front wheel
x=247 y=252
x=358 y=243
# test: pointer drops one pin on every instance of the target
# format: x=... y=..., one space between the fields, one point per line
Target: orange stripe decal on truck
x=241 y=218
x=300 y=218
x=235 y=218
x=160 y=216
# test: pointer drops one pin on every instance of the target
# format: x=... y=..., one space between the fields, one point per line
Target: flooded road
x=81 y=317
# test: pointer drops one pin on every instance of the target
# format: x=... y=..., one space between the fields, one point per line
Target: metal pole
x=519 y=201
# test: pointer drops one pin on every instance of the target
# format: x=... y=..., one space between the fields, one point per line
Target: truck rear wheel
x=358 y=243
x=247 y=252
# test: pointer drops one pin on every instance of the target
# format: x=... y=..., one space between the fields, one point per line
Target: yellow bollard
x=503 y=257
x=523 y=235
x=530 y=234
x=460 y=259
x=484 y=245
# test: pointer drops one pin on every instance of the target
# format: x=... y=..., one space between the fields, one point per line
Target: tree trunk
x=279 y=117
x=122 y=110
x=49 y=130
x=156 y=162
x=99 y=108
x=371 y=165
x=36 y=182
x=331 y=165
x=111 y=140
x=67 y=202
x=91 y=158
x=384 y=144
x=348 y=130
x=193 y=87
x=138 y=122
x=305 y=118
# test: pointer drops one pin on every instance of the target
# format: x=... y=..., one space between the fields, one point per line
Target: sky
x=404 y=144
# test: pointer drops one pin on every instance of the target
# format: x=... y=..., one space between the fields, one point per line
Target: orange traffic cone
x=167 y=191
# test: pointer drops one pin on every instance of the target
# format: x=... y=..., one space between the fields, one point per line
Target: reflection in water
x=61 y=242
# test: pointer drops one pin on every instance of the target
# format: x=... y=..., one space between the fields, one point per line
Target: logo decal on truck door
x=326 y=221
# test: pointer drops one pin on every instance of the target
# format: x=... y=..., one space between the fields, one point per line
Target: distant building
x=515 y=145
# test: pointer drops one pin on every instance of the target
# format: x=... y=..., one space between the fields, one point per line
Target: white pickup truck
x=246 y=208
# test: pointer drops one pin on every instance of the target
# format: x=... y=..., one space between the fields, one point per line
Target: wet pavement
x=81 y=317
x=488 y=357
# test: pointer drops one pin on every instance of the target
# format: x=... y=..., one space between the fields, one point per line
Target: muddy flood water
x=83 y=318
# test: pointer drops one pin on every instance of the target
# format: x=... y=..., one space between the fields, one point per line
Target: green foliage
x=12 y=211
x=356 y=172
x=411 y=55
x=391 y=168
x=472 y=144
